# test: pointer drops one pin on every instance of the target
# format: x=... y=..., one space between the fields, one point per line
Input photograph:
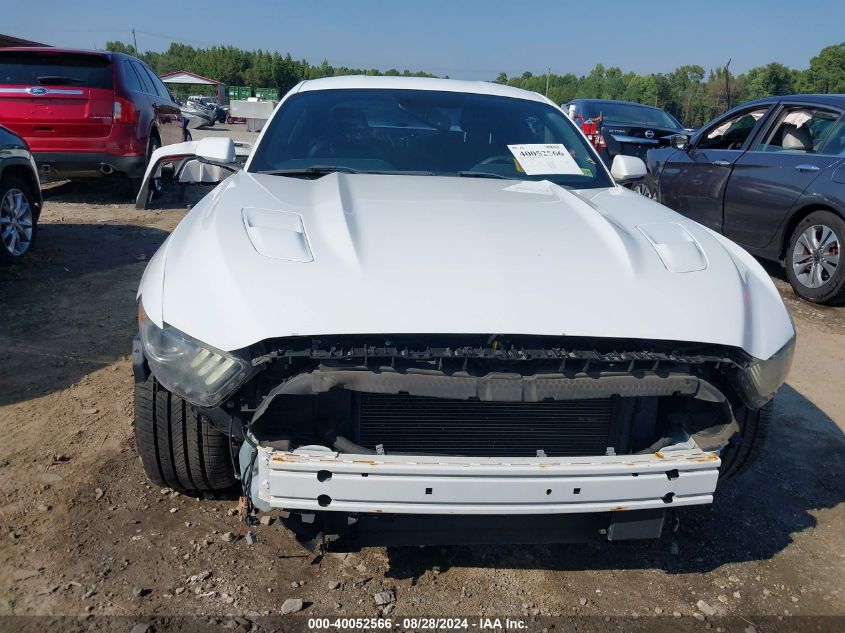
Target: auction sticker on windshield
x=542 y=158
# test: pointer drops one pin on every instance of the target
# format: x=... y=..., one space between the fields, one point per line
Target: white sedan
x=428 y=298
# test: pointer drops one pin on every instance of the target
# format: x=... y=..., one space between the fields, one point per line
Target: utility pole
x=548 y=74
x=134 y=41
x=727 y=86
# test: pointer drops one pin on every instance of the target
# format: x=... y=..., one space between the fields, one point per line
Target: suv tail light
x=124 y=111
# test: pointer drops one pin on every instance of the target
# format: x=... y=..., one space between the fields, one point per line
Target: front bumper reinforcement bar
x=319 y=479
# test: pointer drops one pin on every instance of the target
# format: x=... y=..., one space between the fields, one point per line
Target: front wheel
x=18 y=219
x=754 y=427
x=643 y=188
x=812 y=258
x=178 y=447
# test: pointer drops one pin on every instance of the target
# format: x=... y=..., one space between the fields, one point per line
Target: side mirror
x=216 y=150
x=207 y=161
x=625 y=168
x=679 y=141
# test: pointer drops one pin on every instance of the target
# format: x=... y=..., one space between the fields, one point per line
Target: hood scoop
x=277 y=234
x=678 y=250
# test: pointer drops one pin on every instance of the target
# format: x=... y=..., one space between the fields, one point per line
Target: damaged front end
x=467 y=426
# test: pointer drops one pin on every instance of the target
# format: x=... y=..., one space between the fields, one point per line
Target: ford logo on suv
x=37 y=90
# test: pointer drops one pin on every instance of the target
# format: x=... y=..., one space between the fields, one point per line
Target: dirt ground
x=84 y=534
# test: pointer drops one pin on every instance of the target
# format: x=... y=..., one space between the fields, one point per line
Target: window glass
x=800 y=129
x=143 y=77
x=423 y=131
x=48 y=68
x=158 y=83
x=835 y=143
x=631 y=113
x=731 y=133
x=153 y=80
x=132 y=82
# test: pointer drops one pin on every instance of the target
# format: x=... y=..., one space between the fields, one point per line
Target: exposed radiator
x=434 y=426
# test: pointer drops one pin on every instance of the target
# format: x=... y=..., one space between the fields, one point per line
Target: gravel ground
x=85 y=535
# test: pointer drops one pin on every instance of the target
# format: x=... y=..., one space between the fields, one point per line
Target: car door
x=167 y=113
x=693 y=180
x=788 y=155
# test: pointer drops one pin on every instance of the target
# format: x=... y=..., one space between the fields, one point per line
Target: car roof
x=837 y=100
x=600 y=101
x=53 y=49
x=347 y=82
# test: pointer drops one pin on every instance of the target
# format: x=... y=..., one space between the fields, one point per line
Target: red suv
x=86 y=113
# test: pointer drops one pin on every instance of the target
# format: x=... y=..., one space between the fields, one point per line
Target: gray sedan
x=770 y=175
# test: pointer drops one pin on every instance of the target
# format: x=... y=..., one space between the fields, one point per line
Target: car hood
x=269 y=256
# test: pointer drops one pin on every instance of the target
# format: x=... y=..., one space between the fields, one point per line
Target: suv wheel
x=812 y=258
x=17 y=219
x=178 y=447
x=155 y=184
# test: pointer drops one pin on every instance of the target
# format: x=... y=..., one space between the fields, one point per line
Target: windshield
x=426 y=132
x=33 y=68
x=632 y=114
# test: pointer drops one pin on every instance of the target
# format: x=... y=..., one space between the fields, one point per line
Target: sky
x=464 y=39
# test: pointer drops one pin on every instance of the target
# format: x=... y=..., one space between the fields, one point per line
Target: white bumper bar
x=317 y=479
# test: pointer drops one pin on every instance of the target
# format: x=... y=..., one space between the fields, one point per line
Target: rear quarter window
x=144 y=78
x=131 y=78
x=41 y=68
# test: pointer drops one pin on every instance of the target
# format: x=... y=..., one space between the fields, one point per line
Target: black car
x=770 y=175
x=622 y=127
x=20 y=197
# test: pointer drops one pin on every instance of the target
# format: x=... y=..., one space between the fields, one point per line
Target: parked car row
x=769 y=174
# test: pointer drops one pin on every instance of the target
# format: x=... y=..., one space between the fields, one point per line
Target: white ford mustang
x=427 y=301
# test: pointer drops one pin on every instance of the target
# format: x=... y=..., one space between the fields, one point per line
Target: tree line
x=690 y=93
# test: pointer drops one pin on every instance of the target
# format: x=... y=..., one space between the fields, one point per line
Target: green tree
x=684 y=92
x=826 y=73
x=772 y=79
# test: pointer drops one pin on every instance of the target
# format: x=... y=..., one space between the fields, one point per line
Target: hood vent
x=675 y=246
x=277 y=234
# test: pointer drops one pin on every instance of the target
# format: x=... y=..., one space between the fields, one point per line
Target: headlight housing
x=762 y=378
x=199 y=373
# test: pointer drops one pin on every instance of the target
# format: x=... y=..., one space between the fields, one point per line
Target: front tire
x=754 y=427
x=18 y=219
x=643 y=188
x=178 y=447
x=812 y=258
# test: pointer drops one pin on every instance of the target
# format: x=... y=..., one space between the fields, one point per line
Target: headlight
x=762 y=378
x=201 y=374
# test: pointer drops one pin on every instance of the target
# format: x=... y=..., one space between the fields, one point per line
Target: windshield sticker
x=541 y=158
